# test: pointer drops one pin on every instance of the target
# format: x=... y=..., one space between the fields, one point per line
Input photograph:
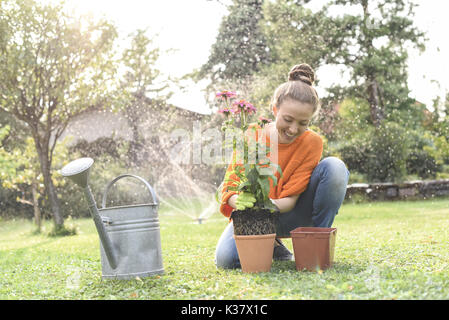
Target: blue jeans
x=316 y=207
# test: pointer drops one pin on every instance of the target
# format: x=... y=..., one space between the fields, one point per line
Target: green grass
x=386 y=250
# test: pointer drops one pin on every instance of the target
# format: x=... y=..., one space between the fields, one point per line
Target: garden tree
x=52 y=67
x=141 y=89
x=289 y=29
x=373 y=46
x=20 y=171
x=439 y=120
x=438 y=133
x=290 y=32
x=240 y=48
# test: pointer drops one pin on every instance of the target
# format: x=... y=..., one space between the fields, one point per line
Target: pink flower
x=250 y=108
x=245 y=106
x=263 y=121
x=225 y=94
x=226 y=111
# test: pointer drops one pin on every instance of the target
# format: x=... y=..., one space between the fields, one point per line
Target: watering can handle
x=152 y=193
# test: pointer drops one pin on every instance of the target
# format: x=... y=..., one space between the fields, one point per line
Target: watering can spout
x=78 y=171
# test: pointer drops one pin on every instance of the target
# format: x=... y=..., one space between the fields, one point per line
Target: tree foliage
x=240 y=49
x=141 y=91
x=20 y=171
x=373 y=45
x=52 y=67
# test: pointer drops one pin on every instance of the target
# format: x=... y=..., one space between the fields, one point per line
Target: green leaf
x=265 y=187
x=243 y=185
x=253 y=176
x=270 y=206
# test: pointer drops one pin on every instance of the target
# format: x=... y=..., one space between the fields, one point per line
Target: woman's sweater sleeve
x=231 y=180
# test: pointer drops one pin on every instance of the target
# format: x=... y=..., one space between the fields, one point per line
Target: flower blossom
x=245 y=106
x=226 y=111
x=263 y=121
x=225 y=94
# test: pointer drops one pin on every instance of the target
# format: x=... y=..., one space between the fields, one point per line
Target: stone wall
x=398 y=191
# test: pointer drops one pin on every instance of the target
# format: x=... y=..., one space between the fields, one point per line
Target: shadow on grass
x=343 y=267
x=151 y=287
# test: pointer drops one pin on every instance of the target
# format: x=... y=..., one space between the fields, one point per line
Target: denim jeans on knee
x=316 y=207
x=226 y=255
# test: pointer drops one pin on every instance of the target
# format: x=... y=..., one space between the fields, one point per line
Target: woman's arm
x=284 y=204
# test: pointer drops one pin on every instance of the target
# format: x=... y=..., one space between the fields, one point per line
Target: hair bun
x=302 y=72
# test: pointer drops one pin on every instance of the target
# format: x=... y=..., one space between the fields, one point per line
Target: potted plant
x=250 y=177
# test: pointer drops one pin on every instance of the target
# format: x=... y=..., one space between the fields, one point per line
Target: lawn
x=385 y=250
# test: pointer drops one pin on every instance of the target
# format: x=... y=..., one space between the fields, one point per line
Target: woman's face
x=292 y=119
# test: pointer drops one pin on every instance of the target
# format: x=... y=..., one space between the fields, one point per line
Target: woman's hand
x=242 y=201
x=245 y=200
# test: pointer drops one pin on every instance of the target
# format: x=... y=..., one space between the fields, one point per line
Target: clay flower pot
x=255 y=252
x=254 y=234
x=313 y=247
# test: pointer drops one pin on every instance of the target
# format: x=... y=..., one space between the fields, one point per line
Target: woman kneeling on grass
x=311 y=191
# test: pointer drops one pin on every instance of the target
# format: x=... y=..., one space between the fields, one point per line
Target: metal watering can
x=130 y=242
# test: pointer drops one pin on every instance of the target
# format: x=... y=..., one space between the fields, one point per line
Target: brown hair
x=299 y=88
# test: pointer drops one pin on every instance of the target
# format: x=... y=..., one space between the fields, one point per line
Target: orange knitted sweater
x=297 y=161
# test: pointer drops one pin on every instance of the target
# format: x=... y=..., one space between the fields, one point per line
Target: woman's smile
x=288 y=135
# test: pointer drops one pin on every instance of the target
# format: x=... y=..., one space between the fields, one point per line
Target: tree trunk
x=373 y=90
x=135 y=146
x=374 y=103
x=137 y=142
x=45 y=164
x=37 y=211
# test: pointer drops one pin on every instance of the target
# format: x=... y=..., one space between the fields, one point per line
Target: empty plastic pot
x=313 y=247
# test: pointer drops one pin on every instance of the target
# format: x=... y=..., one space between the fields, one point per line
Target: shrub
x=421 y=160
x=388 y=153
x=102 y=146
x=380 y=153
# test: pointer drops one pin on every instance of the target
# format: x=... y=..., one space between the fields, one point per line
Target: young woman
x=311 y=191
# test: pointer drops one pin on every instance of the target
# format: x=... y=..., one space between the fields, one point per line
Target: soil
x=252 y=222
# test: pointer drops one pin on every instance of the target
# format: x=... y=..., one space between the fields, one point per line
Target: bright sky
x=191 y=27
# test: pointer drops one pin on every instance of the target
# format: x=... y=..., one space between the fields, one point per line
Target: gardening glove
x=245 y=200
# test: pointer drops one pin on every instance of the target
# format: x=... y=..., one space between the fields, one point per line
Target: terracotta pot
x=255 y=252
x=313 y=247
